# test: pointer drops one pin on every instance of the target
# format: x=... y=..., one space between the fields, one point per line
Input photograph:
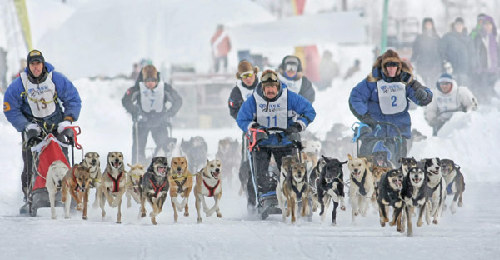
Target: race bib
x=40 y=96
x=391 y=97
x=152 y=99
x=272 y=114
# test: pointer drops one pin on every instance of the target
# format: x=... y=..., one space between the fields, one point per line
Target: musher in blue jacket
x=32 y=104
x=273 y=105
x=383 y=97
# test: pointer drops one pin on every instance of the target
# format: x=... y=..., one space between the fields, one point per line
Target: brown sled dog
x=181 y=184
x=76 y=185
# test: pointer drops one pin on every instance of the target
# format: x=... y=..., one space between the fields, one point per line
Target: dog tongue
x=161 y=169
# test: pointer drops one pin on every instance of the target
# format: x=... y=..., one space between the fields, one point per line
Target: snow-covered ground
x=471 y=139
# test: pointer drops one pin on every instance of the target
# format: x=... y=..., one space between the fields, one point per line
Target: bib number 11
x=270 y=119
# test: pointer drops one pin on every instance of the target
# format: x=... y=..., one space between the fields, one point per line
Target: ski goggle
x=247 y=74
x=150 y=80
x=291 y=67
x=392 y=64
x=269 y=76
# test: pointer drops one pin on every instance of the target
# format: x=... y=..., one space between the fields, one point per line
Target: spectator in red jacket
x=221 y=45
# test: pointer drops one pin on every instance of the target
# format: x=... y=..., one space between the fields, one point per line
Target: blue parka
x=18 y=111
x=301 y=106
x=364 y=99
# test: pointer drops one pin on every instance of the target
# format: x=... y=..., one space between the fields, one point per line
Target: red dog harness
x=116 y=182
x=211 y=190
x=158 y=189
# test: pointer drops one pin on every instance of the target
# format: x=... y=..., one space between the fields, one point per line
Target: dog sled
x=267 y=203
x=46 y=150
x=369 y=140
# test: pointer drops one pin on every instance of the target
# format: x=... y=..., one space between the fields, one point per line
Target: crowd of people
x=473 y=58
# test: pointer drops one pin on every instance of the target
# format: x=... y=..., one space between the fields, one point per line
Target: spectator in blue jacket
x=383 y=97
x=273 y=105
x=38 y=102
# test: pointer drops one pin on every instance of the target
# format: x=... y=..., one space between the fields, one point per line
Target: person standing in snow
x=448 y=99
x=290 y=73
x=383 y=97
x=328 y=70
x=221 y=46
x=272 y=105
x=425 y=52
x=486 y=60
x=41 y=100
x=147 y=102
x=456 y=47
x=245 y=86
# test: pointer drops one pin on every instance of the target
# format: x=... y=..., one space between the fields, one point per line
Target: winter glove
x=295 y=127
x=421 y=94
x=32 y=131
x=367 y=119
x=62 y=125
x=253 y=125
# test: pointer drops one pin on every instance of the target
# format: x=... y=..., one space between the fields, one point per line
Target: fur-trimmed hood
x=404 y=73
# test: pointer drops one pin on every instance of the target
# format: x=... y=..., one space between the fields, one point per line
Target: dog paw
x=460 y=204
x=186 y=214
x=79 y=206
x=219 y=215
x=198 y=220
x=153 y=221
x=84 y=217
x=382 y=223
x=54 y=217
x=342 y=208
x=419 y=224
x=143 y=214
x=435 y=221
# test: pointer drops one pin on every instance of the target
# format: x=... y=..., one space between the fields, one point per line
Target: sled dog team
x=421 y=185
x=142 y=185
x=416 y=185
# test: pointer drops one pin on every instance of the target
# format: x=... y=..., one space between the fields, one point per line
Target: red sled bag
x=48 y=151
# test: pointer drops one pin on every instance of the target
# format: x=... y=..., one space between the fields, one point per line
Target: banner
x=22 y=15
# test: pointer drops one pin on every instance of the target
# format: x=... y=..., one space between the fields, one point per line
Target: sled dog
x=229 y=149
x=362 y=187
x=435 y=189
x=413 y=194
x=330 y=187
x=92 y=161
x=296 y=189
x=76 y=185
x=154 y=187
x=208 y=184
x=55 y=174
x=285 y=172
x=455 y=184
x=389 y=194
x=196 y=152
x=181 y=184
x=134 y=176
x=113 y=184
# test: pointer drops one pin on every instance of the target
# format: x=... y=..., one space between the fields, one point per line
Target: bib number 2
x=394 y=100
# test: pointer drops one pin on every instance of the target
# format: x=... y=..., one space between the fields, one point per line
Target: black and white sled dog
x=413 y=194
x=196 y=152
x=455 y=183
x=435 y=189
x=389 y=195
x=407 y=163
x=328 y=186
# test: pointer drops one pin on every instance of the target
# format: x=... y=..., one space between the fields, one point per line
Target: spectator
x=425 y=52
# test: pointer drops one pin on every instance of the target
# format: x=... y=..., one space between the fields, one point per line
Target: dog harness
x=211 y=190
x=116 y=182
x=180 y=184
x=158 y=189
x=299 y=193
x=361 y=187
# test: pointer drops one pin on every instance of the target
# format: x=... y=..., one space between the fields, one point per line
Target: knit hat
x=35 y=56
x=459 y=20
x=245 y=66
x=444 y=78
x=149 y=72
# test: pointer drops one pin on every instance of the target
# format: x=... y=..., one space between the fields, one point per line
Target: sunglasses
x=392 y=64
x=269 y=76
x=150 y=80
x=246 y=75
x=291 y=67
